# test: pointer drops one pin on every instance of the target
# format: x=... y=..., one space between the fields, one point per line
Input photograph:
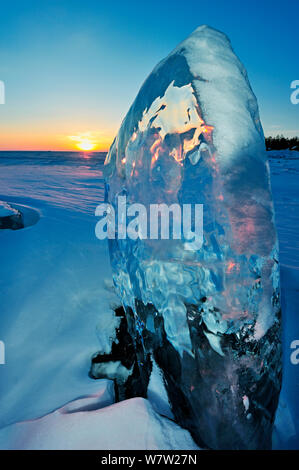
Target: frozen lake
x=57 y=303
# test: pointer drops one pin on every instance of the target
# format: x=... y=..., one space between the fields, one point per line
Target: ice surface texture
x=208 y=319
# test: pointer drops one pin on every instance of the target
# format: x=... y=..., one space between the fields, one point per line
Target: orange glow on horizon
x=86 y=141
x=86 y=146
x=48 y=139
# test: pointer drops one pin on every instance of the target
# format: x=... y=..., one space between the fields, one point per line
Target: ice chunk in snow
x=6 y=210
x=210 y=317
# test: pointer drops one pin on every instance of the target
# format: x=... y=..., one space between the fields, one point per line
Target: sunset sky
x=72 y=68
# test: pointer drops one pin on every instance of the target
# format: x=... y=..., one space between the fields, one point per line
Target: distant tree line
x=282 y=143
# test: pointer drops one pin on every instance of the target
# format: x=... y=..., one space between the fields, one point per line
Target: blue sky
x=72 y=67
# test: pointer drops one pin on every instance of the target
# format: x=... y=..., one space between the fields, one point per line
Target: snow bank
x=130 y=425
x=56 y=310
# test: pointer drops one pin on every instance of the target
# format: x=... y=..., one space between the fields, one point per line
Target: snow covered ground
x=284 y=166
x=57 y=310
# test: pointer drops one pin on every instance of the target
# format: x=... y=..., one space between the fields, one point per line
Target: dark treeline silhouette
x=282 y=143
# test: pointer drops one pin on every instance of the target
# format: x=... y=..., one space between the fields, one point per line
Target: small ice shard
x=208 y=318
x=6 y=210
x=10 y=218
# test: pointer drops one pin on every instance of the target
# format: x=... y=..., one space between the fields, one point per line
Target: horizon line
x=48 y=150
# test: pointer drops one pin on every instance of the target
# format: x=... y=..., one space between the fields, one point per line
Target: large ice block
x=207 y=318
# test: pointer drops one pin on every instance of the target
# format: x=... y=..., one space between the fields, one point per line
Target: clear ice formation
x=207 y=319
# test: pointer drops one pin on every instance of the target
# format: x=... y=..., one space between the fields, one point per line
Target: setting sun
x=86 y=145
x=85 y=141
